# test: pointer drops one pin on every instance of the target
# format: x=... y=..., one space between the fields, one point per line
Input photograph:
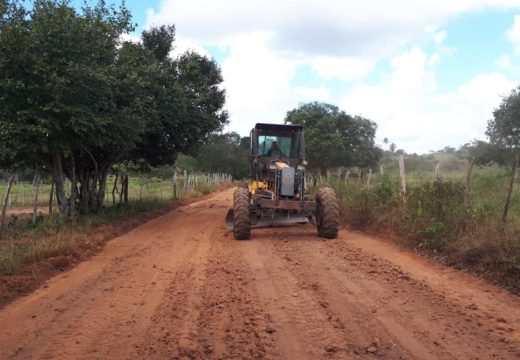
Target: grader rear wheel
x=327 y=213
x=241 y=217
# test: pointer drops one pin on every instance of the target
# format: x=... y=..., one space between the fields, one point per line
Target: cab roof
x=277 y=127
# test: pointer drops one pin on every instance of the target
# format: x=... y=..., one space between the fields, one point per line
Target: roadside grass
x=432 y=219
x=54 y=236
x=139 y=188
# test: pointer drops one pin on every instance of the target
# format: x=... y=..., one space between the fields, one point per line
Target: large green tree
x=75 y=99
x=334 y=138
x=504 y=134
x=57 y=80
x=225 y=153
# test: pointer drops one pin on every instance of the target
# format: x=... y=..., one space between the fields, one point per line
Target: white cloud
x=257 y=82
x=344 y=68
x=182 y=45
x=513 y=34
x=414 y=115
x=313 y=94
x=504 y=61
x=327 y=28
x=439 y=36
x=269 y=41
x=410 y=71
x=131 y=38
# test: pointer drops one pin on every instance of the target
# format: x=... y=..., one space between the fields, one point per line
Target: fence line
x=25 y=194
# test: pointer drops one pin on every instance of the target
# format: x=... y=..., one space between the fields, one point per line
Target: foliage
x=504 y=129
x=504 y=135
x=433 y=218
x=224 y=153
x=76 y=100
x=334 y=138
x=55 y=235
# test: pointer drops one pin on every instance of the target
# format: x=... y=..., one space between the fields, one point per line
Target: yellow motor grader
x=276 y=194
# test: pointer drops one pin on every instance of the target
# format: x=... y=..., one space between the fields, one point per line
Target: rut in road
x=181 y=287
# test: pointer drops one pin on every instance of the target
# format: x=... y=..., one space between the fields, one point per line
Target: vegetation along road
x=179 y=286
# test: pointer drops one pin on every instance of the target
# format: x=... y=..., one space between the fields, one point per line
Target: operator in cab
x=274 y=151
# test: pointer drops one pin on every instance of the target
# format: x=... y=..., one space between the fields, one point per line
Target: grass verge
x=432 y=219
x=32 y=253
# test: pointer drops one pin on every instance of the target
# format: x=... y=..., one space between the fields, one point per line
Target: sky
x=428 y=72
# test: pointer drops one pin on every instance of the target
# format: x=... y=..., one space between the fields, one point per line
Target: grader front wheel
x=241 y=217
x=327 y=213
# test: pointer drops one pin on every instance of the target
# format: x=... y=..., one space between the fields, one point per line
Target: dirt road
x=181 y=287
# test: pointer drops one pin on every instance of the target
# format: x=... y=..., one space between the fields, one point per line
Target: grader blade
x=269 y=221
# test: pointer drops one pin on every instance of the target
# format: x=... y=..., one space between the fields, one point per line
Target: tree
x=334 y=138
x=58 y=79
x=75 y=100
x=159 y=40
x=477 y=153
x=504 y=133
x=223 y=153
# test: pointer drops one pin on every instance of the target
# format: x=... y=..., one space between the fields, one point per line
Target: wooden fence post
x=402 y=175
x=369 y=178
x=510 y=189
x=36 y=190
x=23 y=194
x=4 y=205
x=467 y=189
x=126 y=189
x=51 y=197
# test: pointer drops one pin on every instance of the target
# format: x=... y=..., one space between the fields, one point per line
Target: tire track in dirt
x=212 y=311
x=113 y=296
x=180 y=287
x=381 y=308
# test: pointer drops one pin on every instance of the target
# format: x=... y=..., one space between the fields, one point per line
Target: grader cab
x=276 y=194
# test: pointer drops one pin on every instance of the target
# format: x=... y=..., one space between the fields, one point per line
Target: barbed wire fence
x=37 y=197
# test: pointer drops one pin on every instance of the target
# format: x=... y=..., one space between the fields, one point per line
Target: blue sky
x=428 y=73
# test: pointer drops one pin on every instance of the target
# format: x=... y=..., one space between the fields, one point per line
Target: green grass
x=54 y=235
x=139 y=188
x=433 y=218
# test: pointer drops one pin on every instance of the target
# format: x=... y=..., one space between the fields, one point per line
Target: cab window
x=265 y=143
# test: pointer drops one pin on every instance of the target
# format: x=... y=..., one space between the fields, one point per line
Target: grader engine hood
x=287 y=177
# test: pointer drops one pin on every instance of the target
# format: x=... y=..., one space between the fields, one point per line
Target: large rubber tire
x=327 y=213
x=241 y=216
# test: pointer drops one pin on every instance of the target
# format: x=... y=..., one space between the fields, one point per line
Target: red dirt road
x=181 y=287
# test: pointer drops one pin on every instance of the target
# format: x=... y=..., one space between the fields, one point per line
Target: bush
x=433 y=218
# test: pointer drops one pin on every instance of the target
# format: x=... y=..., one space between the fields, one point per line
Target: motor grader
x=276 y=194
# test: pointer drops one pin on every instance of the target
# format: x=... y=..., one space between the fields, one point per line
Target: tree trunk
x=4 y=205
x=73 y=188
x=141 y=183
x=402 y=175
x=36 y=188
x=57 y=175
x=122 y=193
x=467 y=190
x=51 y=197
x=510 y=190
x=126 y=188
x=114 y=189
x=100 y=198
